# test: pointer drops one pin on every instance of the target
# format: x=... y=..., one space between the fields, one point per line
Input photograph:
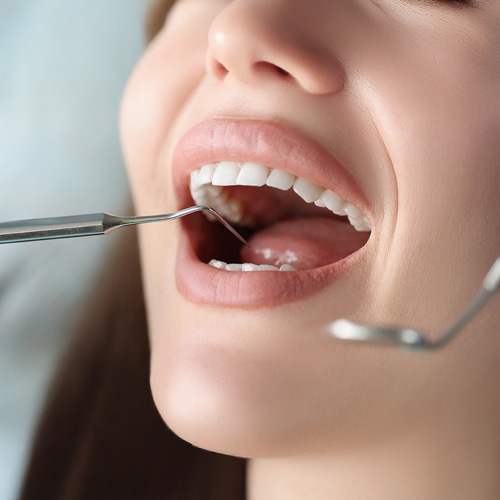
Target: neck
x=452 y=455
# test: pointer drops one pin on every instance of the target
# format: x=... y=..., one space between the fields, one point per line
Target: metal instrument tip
x=225 y=223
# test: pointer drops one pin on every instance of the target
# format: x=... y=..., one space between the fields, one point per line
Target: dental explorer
x=409 y=338
x=90 y=225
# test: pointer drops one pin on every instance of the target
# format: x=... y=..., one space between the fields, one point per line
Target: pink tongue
x=304 y=243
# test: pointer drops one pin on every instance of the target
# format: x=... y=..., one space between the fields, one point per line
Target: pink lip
x=275 y=146
x=267 y=143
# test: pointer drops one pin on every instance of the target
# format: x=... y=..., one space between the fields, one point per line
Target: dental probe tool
x=90 y=225
x=412 y=339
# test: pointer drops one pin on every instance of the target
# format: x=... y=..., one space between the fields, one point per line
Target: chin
x=237 y=392
x=211 y=411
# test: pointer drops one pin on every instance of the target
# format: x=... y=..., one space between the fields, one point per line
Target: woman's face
x=394 y=105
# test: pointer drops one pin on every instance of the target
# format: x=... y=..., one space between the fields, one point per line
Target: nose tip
x=255 y=42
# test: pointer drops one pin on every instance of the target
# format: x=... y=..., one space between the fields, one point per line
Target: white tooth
x=194 y=183
x=206 y=174
x=199 y=196
x=234 y=267
x=352 y=212
x=202 y=193
x=360 y=227
x=233 y=210
x=280 y=180
x=308 y=191
x=252 y=174
x=193 y=179
x=266 y=267
x=226 y=174
x=357 y=219
x=249 y=267
x=287 y=267
x=213 y=196
x=219 y=204
x=354 y=223
x=217 y=264
x=320 y=203
x=333 y=202
x=207 y=194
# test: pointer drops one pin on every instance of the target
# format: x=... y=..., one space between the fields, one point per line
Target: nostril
x=282 y=71
x=220 y=69
x=217 y=69
x=264 y=67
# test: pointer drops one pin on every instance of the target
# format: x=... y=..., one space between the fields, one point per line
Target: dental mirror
x=409 y=338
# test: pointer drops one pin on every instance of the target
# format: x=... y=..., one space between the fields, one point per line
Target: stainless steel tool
x=90 y=225
x=344 y=329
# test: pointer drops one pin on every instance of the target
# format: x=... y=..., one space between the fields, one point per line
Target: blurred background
x=63 y=66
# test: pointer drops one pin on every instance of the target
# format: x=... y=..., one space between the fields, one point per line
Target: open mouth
x=291 y=224
x=286 y=194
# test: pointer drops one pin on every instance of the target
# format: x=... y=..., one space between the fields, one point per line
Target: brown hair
x=100 y=435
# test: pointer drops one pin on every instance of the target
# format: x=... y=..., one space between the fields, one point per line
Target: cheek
x=438 y=112
x=151 y=103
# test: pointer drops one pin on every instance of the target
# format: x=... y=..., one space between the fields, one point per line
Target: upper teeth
x=207 y=189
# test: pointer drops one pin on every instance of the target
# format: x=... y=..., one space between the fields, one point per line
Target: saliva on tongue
x=304 y=243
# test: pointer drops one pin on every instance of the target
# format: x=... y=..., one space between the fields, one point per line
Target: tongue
x=304 y=243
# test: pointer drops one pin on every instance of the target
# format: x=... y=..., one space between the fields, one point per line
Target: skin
x=406 y=95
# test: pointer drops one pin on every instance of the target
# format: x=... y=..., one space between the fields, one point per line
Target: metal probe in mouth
x=90 y=225
x=409 y=338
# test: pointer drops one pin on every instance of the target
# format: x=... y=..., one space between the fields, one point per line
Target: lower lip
x=204 y=284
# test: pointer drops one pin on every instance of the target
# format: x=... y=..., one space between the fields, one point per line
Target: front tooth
x=234 y=267
x=226 y=174
x=308 y=191
x=206 y=174
x=249 y=267
x=333 y=202
x=280 y=180
x=320 y=203
x=252 y=174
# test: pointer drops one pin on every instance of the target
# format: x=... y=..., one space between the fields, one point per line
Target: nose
x=274 y=40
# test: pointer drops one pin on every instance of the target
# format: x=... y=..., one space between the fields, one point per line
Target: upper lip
x=267 y=143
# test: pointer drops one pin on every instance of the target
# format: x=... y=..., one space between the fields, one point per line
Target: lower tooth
x=233 y=267
x=248 y=267
x=287 y=267
x=217 y=264
x=266 y=267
